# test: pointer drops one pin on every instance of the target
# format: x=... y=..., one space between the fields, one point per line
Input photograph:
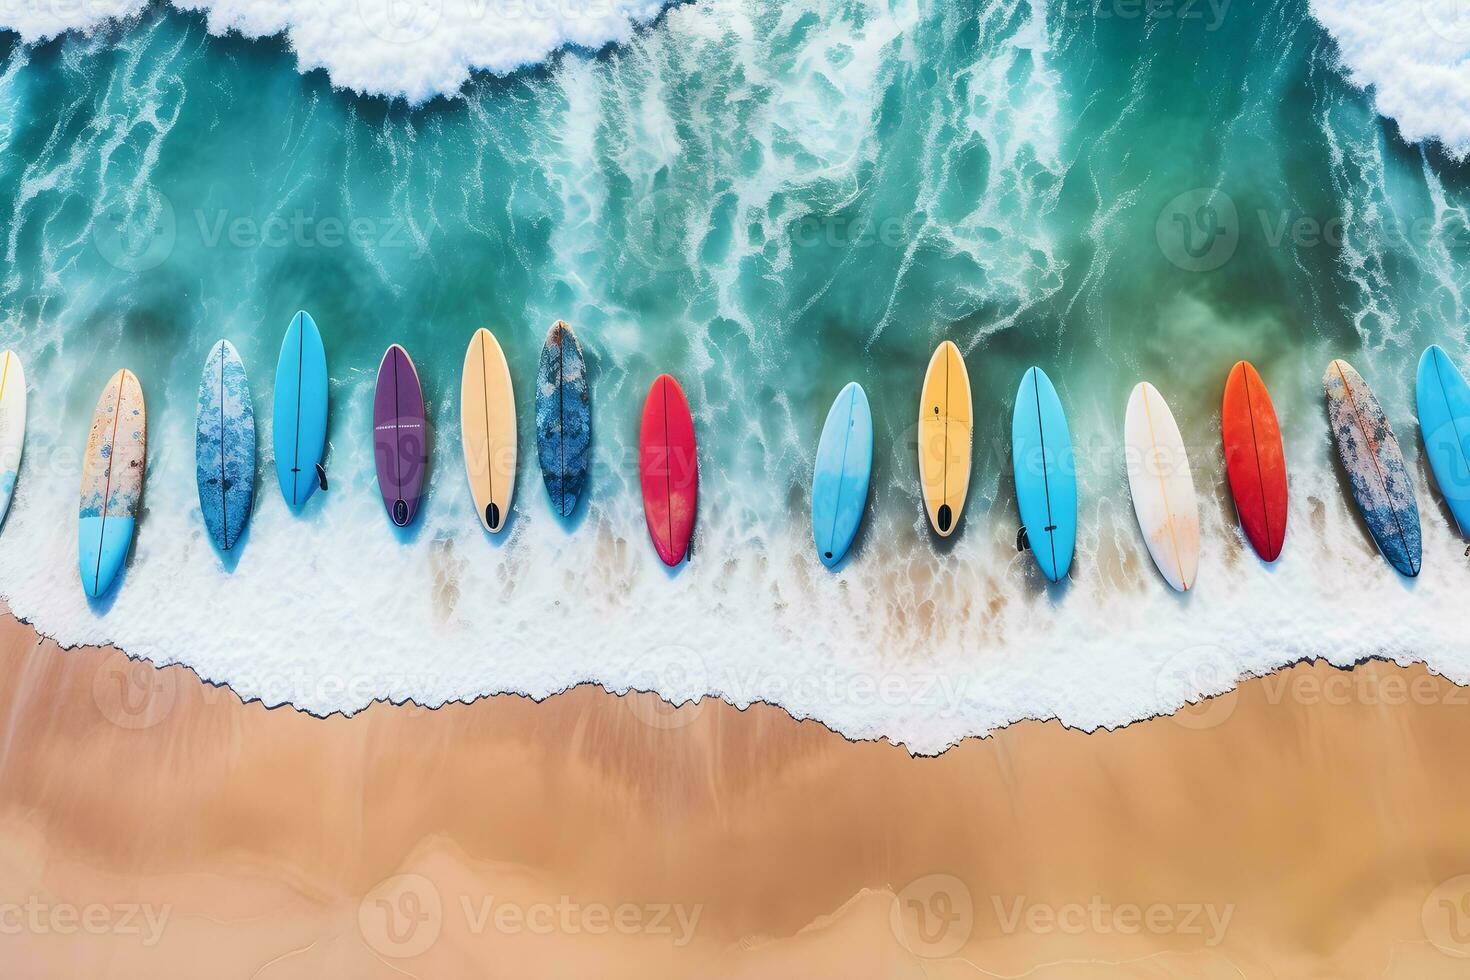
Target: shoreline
x=1277 y=824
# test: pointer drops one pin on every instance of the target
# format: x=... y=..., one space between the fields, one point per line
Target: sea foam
x=1411 y=54
x=416 y=49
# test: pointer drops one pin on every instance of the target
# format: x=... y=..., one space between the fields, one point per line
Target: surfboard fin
x=492 y=516
x=1023 y=540
x=321 y=476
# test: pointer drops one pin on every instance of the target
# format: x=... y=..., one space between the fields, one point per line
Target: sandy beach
x=151 y=825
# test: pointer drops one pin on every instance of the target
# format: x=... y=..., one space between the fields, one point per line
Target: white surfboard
x=1162 y=487
x=12 y=425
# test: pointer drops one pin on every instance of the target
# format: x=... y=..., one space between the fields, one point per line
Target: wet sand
x=1314 y=823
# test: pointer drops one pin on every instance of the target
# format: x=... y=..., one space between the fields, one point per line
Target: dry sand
x=1313 y=824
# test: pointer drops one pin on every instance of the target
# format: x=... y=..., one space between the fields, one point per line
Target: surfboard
x=12 y=425
x=840 y=479
x=946 y=423
x=668 y=468
x=1375 y=466
x=563 y=418
x=400 y=436
x=112 y=482
x=1255 y=460
x=300 y=415
x=1162 y=487
x=487 y=426
x=224 y=446
x=1444 y=421
x=1046 y=473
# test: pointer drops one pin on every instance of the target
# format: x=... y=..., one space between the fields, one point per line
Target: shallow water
x=766 y=201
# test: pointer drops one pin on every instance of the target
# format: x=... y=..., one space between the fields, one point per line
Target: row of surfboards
x=1159 y=477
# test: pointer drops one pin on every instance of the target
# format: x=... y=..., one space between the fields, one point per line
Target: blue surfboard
x=1046 y=473
x=224 y=446
x=300 y=419
x=563 y=418
x=844 y=467
x=1444 y=421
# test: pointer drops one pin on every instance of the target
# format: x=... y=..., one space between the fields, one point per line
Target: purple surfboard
x=400 y=436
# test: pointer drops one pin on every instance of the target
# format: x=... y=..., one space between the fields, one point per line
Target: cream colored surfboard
x=488 y=427
x=946 y=425
x=1162 y=487
x=12 y=424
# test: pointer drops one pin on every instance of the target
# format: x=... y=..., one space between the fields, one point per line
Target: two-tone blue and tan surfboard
x=112 y=482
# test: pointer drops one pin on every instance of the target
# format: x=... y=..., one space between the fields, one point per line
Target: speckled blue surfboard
x=563 y=418
x=224 y=446
x=1374 y=463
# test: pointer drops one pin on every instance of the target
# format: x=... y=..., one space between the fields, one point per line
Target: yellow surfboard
x=946 y=423
x=487 y=418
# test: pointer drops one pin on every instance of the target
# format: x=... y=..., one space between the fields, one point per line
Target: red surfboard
x=1255 y=460
x=668 y=468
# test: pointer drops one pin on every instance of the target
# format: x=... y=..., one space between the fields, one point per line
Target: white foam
x=412 y=48
x=1412 y=54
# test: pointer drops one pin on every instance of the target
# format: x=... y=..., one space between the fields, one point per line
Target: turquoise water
x=767 y=201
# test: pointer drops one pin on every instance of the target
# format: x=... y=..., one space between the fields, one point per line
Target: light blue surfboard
x=300 y=419
x=1046 y=473
x=844 y=466
x=224 y=446
x=1444 y=420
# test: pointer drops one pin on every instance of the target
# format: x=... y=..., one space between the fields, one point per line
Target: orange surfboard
x=1255 y=460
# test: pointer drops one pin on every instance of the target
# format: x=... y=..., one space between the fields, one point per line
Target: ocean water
x=767 y=201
